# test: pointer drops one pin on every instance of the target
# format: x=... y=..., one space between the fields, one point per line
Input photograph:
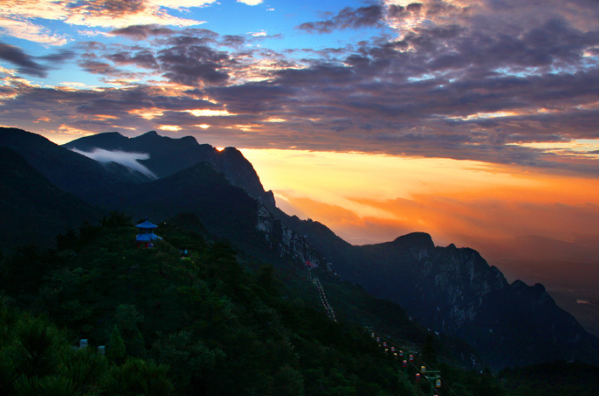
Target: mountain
x=71 y=172
x=226 y=210
x=558 y=264
x=452 y=291
x=168 y=156
x=202 y=319
x=34 y=210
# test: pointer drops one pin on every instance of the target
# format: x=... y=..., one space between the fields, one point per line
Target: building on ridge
x=146 y=236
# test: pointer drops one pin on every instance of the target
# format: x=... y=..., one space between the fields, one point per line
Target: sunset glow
x=456 y=117
x=444 y=197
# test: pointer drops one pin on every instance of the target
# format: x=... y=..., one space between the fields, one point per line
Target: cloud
x=233 y=41
x=347 y=18
x=250 y=2
x=59 y=57
x=142 y=32
x=18 y=17
x=177 y=4
x=24 y=62
x=470 y=80
x=127 y=159
x=26 y=30
x=142 y=58
x=193 y=65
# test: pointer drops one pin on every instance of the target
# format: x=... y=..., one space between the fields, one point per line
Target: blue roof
x=146 y=225
x=147 y=237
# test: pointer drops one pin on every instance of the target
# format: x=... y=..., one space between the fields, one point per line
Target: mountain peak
x=149 y=135
x=415 y=239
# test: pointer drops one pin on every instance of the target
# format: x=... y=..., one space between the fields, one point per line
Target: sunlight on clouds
x=250 y=2
x=330 y=175
x=477 y=116
x=68 y=130
x=245 y=127
x=575 y=146
x=210 y=113
x=261 y=70
x=361 y=203
x=104 y=117
x=150 y=17
x=177 y=4
x=42 y=119
x=261 y=33
x=43 y=9
x=173 y=128
x=203 y=126
x=148 y=114
x=10 y=72
x=29 y=31
x=15 y=16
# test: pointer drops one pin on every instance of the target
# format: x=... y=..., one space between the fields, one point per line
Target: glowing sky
x=468 y=113
x=367 y=198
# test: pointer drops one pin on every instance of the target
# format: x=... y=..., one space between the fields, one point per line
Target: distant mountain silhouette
x=34 y=210
x=453 y=291
x=71 y=172
x=169 y=156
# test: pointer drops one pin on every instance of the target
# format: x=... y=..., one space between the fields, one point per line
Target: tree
x=429 y=354
x=116 y=348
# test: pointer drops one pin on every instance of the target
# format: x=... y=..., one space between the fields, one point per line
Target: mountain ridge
x=452 y=290
x=169 y=156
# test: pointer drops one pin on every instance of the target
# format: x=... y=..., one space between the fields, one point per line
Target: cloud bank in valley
x=128 y=160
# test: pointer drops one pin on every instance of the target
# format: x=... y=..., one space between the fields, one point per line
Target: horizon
x=460 y=118
x=301 y=182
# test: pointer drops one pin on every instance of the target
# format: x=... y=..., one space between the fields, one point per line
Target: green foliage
x=36 y=359
x=116 y=346
x=205 y=323
x=138 y=377
x=128 y=320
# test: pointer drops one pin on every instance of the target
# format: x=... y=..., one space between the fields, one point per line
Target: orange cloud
x=369 y=198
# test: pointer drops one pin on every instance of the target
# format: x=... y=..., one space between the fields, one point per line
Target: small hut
x=146 y=236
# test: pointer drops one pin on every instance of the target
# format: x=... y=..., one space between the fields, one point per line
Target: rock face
x=455 y=292
x=285 y=240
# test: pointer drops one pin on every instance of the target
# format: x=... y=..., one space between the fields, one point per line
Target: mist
x=129 y=160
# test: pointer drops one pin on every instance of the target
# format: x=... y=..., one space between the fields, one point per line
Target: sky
x=377 y=118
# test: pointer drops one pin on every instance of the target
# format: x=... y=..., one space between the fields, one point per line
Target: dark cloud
x=59 y=57
x=399 y=12
x=96 y=67
x=141 y=32
x=347 y=18
x=252 y=98
x=143 y=59
x=24 y=63
x=186 y=40
x=469 y=86
x=193 y=65
x=115 y=8
x=232 y=41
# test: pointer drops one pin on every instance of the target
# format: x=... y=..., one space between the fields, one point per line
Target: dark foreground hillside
x=33 y=209
x=222 y=326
